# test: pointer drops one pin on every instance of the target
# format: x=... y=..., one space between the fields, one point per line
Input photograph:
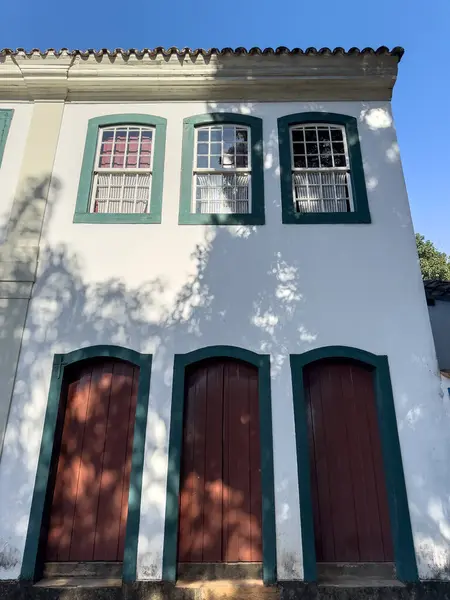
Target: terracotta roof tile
x=181 y=52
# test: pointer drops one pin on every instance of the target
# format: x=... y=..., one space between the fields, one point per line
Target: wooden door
x=89 y=508
x=220 y=487
x=350 y=506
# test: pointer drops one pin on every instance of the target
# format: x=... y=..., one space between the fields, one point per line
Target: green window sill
x=111 y=218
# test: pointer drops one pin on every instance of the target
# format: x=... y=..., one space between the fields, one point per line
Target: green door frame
x=405 y=558
x=32 y=562
x=181 y=361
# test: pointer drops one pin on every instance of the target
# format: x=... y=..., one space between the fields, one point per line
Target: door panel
x=350 y=508
x=90 y=498
x=220 y=491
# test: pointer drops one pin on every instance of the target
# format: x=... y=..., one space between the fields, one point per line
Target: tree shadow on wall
x=240 y=286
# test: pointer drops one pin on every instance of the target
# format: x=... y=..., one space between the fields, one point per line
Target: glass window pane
x=216 y=135
x=326 y=160
x=144 y=161
x=241 y=161
x=215 y=162
x=312 y=148
x=336 y=135
x=313 y=162
x=297 y=135
x=310 y=135
x=241 y=148
x=202 y=162
x=323 y=134
x=228 y=148
x=299 y=162
x=202 y=148
x=203 y=135
x=339 y=160
x=133 y=141
x=325 y=148
x=146 y=141
x=229 y=133
x=338 y=148
x=216 y=148
x=241 y=135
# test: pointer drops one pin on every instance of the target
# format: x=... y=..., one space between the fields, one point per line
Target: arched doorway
x=220 y=517
x=340 y=381
x=348 y=486
x=88 y=493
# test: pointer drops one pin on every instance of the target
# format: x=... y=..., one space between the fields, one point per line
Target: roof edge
x=397 y=52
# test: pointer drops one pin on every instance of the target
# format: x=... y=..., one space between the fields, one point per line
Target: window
x=122 y=172
x=122 y=175
x=322 y=176
x=5 y=122
x=222 y=175
x=222 y=171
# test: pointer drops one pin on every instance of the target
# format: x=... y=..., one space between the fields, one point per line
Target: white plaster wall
x=12 y=158
x=277 y=289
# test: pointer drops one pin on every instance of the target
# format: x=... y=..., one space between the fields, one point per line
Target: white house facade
x=228 y=228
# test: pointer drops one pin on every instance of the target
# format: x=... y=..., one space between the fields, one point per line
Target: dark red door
x=90 y=500
x=350 y=507
x=220 y=492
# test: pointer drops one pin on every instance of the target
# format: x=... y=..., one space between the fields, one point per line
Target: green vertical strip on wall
x=6 y=116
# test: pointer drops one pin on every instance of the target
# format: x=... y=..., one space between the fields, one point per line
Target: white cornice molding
x=149 y=78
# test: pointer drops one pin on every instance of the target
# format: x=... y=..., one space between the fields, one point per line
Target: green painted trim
x=405 y=558
x=361 y=214
x=31 y=559
x=181 y=361
x=82 y=214
x=257 y=216
x=6 y=116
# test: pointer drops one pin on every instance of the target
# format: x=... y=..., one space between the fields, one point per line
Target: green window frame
x=6 y=116
x=82 y=212
x=257 y=214
x=360 y=213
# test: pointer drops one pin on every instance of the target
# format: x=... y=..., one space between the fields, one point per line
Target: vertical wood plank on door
x=354 y=381
x=128 y=460
x=351 y=520
x=56 y=534
x=378 y=469
x=255 y=470
x=71 y=449
x=85 y=521
x=212 y=518
x=188 y=476
x=113 y=468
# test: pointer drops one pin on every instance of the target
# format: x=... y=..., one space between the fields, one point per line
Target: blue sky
x=421 y=96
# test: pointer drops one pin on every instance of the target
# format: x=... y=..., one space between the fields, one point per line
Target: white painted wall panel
x=277 y=289
x=12 y=158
